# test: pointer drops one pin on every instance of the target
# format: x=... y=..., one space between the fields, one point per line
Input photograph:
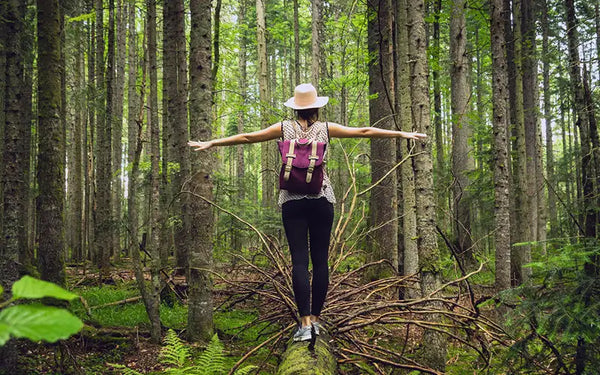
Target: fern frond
x=124 y=369
x=246 y=370
x=212 y=360
x=174 y=353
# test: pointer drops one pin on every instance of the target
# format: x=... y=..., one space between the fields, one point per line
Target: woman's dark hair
x=310 y=114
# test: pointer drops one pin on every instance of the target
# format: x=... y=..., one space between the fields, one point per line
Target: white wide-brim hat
x=305 y=97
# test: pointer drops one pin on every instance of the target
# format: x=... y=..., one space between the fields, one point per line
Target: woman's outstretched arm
x=266 y=134
x=340 y=131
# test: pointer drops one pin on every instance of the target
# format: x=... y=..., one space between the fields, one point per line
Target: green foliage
x=128 y=315
x=174 y=353
x=558 y=313
x=177 y=355
x=36 y=321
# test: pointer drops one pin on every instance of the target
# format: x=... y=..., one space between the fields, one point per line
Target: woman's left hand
x=415 y=136
x=199 y=145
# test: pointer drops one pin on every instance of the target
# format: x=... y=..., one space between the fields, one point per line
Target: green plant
x=37 y=321
x=177 y=355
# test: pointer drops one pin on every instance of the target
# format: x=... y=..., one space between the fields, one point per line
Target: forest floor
x=118 y=333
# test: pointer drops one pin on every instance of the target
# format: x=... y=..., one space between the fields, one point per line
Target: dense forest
x=124 y=251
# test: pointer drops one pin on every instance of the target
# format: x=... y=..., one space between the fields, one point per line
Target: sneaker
x=303 y=334
x=317 y=326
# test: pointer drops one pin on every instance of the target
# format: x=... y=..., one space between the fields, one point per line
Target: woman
x=307 y=218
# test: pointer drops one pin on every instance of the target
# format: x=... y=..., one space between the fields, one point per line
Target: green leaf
x=38 y=322
x=1 y=290
x=31 y=288
x=4 y=333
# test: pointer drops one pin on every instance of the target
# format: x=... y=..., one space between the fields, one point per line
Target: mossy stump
x=308 y=358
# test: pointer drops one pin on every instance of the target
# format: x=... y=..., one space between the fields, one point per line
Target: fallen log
x=309 y=357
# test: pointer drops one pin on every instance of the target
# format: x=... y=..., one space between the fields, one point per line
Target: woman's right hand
x=199 y=145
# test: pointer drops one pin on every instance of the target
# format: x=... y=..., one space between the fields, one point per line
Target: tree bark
x=500 y=147
x=267 y=148
x=152 y=307
x=102 y=194
x=117 y=128
x=296 y=43
x=434 y=343
x=462 y=157
x=298 y=359
x=316 y=43
x=15 y=159
x=437 y=117
x=134 y=121
x=552 y=215
x=200 y=311
x=410 y=255
x=530 y=111
x=521 y=254
x=50 y=172
x=175 y=88
x=383 y=201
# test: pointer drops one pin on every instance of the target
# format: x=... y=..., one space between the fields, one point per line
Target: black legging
x=300 y=218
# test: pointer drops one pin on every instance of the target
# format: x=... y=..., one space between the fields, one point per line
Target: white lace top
x=320 y=133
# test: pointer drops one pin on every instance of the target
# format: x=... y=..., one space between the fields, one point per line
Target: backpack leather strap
x=290 y=158
x=313 y=159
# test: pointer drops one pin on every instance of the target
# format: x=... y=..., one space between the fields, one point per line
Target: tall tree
x=154 y=244
x=296 y=43
x=117 y=126
x=462 y=157
x=103 y=176
x=316 y=42
x=548 y=118
x=175 y=89
x=520 y=255
x=534 y=181
x=437 y=112
x=133 y=122
x=267 y=148
x=410 y=256
x=15 y=159
x=434 y=344
x=383 y=202
x=500 y=147
x=242 y=91
x=200 y=318
x=50 y=168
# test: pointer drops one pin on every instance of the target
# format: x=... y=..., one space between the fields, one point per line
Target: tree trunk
x=296 y=43
x=530 y=111
x=101 y=202
x=15 y=160
x=462 y=157
x=434 y=343
x=134 y=121
x=50 y=175
x=521 y=254
x=117 y=128
x=89 y=140
x=242 y=89
x=437 y=117
x=200 y=312
x=548 y=119
x=410 y=256
x=152 y=307
x=267 y=171
x=383 y=202
x=500 y=147
x=175 y=86
x=298 y=359
x=316 y=42
x=76 y=207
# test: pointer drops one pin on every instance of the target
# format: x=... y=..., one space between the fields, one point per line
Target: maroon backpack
x=302 y=166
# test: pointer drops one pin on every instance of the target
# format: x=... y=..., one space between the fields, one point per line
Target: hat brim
x=320 y=102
